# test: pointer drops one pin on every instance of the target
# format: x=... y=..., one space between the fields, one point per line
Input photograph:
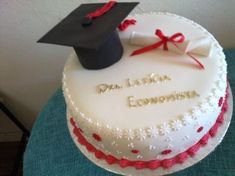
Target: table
x=51 y=151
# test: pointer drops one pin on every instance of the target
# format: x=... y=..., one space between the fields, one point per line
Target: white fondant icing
x=168 y=139
x=176 y=125
x=169 y=146
x=187 y=119
x=139 y=157
x=164 y=129
x=141 y=134
x=131 y=145
x=152 y=147
x=130 y=135
x=152 y=131
x=118 y=124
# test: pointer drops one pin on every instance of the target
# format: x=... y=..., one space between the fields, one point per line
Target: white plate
x=201 y=153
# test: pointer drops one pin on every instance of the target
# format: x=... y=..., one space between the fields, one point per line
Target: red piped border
x=153 y=164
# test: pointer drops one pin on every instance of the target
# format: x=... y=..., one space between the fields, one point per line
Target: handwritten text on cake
x=161 y=99
x=149 y=79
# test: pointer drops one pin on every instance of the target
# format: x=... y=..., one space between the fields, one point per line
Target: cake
x=153 y=108
x=108 y=105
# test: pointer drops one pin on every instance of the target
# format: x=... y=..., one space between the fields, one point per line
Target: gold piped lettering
x=107 y=87
x=131 y=102
x=147 y=80
x=176 y=96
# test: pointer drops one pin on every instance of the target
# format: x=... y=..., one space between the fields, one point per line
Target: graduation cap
x=91 y=30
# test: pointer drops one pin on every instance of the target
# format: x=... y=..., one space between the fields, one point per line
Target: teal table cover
x=51 y=151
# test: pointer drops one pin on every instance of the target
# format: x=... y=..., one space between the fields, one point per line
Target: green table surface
x=51 y=151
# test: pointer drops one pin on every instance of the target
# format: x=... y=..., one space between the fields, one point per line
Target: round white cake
x=155 y=107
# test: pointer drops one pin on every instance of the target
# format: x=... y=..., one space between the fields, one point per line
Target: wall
x=31 y=72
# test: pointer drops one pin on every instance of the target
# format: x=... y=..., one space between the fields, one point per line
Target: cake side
x=183 y=158
x=165 y=133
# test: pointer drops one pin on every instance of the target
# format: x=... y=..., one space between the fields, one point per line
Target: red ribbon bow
x=175 y=38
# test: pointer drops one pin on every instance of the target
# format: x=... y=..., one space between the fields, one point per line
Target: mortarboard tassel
x=126 y=23
x=100 y=11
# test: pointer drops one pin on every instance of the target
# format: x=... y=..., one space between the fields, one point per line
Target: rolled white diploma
x=200 y=46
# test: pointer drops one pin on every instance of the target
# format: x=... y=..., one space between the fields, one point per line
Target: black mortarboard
x=95 y=41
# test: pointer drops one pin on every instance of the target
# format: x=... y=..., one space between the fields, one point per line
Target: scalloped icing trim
x=166 y=128
x=152 y=164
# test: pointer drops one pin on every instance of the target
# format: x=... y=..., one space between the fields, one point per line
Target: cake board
x=130 y=171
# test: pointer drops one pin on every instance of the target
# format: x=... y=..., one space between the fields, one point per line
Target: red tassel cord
x=126 y=23
x=102 y=10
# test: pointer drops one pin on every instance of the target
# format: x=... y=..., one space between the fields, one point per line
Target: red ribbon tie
x=174 y=39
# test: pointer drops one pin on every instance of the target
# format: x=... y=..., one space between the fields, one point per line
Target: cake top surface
x=157 y=88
